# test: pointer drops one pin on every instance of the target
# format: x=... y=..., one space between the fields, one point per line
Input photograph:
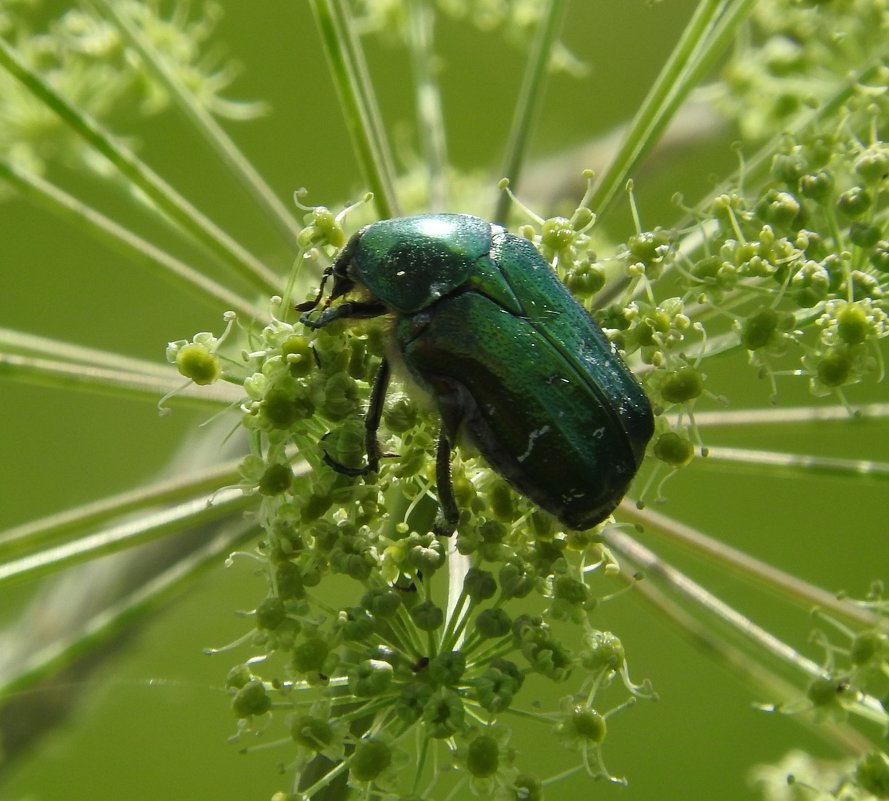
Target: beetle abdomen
x=536 y=422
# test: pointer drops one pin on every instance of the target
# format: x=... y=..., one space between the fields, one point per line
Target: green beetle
x=513 y=361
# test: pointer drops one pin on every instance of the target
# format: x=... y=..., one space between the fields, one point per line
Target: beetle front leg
x=448 y=515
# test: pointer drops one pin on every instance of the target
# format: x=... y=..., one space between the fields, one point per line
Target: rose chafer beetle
x=515 y=364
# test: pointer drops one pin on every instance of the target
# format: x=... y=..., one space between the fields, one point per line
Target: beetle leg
x=308 y=305
x=446 y=520
x=375 y=414
x=371 y=426
x=348 y=308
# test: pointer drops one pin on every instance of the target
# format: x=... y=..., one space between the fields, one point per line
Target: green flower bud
x=400 y=415
x=514 y=581
x=833 y=368
x=854 y=202
x=682 y=385
x=311 y=732
x=195 y=361
x=276 y=479
x=299 y=355
x=492 y=623
x=310 y=655
x=443 y=714
x=370 y=678
x=571 y=590
x=381 y=602
x=270 y=613
x=674 y=449
x=479 y=584
x=483 y=756
x=816 y=185
x=852 y=324
x=372 y=756
x=872 y=774
x=448 y=667
x=495 y=688
x=289 y=581
x=865 y=235
x=587 y=724
x=237 y=677
x=251 y=700
x=427 y=616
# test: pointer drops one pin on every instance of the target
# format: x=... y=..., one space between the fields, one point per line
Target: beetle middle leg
x=371 y=426
x=448 y=514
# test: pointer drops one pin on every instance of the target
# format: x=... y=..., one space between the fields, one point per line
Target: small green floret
x=682 y=385
x=483 y=756
x=311 y=732
x=251 y=700
x=492 y=623
x=443 y=714
x=825 y=691
x=674 y=449
x=198 y=363
x=372 y=756
x=852 y=324
x=276 y=479
x=816 y=185
x=309 y=656
x=763 y=328
x=298 y=354
x=587 y=724
x=834 y=367
x=528 y=788
x=447 y=668
x=479 y=584
x=370 y=678
x=270 y=613
x=872 y=774
x=427 y=616
x=854 y=202
x=867 y=647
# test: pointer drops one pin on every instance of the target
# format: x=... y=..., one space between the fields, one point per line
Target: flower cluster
x=427 y=634
x=85 y=58
x=855 y=668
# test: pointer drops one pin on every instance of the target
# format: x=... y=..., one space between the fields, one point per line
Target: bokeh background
x=152 y=721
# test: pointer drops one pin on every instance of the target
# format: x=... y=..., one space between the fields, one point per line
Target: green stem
x=797 y=464
x=741 y=564
x=430 y=118
x=58 y=527
x=750 y=671
x=529 y=101
x=869 y=412
x=18 y=342
x=358 y=102
x=137 y=250
x=68 y=375
x=703 y=41
x=145 y=528
x=175 y=207
x=119 y=617
x=641 y=559
x=220 y=142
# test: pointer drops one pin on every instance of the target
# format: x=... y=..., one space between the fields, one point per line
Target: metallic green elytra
x=514 y=363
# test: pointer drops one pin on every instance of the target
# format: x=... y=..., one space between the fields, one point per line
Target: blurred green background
x=152 y=722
